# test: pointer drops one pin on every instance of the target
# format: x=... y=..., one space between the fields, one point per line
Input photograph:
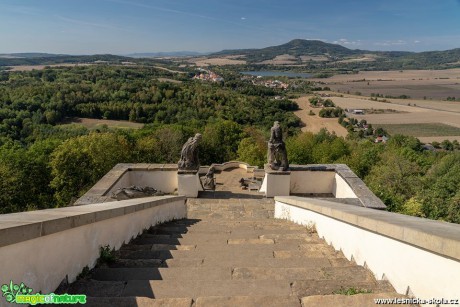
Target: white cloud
x=243 y=18
x=344 y=41
x=398 y=42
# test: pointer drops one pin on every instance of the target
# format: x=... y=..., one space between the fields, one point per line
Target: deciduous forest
x=45 y=164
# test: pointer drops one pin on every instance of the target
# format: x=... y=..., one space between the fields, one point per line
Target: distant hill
x=48 y=59
x=29 y=55
x=340 y=57
x=296 y=47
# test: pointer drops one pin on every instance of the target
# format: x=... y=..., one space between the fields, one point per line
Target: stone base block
x=276 y=183
x=188 y=184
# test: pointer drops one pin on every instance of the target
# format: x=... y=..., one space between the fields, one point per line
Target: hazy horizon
x=138 y=26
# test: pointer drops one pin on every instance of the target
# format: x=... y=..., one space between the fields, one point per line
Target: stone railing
x=329 y=180
x=419 y=257
x=162 y=177
x=253 y=170
x=44 y=247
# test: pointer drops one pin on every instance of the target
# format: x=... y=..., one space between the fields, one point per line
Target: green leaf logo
x=10 y=291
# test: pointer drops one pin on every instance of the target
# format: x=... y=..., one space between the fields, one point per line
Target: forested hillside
x=44 y=164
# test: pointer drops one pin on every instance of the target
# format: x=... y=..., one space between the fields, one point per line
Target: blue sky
x=126 y=26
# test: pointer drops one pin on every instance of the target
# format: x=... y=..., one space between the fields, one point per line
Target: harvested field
x=92 y=123
x=229 y=60
x=418 y=84
x=314 y=58
x=314 y=123
x=364 y=58
x=429 y=139
x=422 y=130
x=169 y=70
x=419 y=118
x=439 y=111
x=284 y=59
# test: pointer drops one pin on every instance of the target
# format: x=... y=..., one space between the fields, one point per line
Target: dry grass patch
x=422 y=129
x=216 y=61
x=92 y=123
x=314 y=123
x=434 y=84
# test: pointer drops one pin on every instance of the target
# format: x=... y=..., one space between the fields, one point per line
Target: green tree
x=395 y=179
x=220 y=142
x=80 y=162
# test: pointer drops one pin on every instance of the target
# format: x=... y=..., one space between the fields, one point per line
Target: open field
x=437 y=120
x=448 y=114
x=432 y=84
x=169 y=70
x=92 y=123
x=227 y=60
x=422 y=130
x=429 y=139
x=284 y=59
x=314 y=123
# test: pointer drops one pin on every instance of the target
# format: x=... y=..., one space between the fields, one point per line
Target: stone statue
x=277 y=154
x=189 y=154
x=209 y=182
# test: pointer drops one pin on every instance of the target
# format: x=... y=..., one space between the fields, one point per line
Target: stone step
x=248 y=301
x=303 y=288
x=357 y=300
x=211 y=247
x=249 y=262
x=231 y=202
x=218 y=238
x=191 y=288
x=231 y=215
x=237 y=273
x=137 y=302
x=240 y=223
x=156 y=247
x=309 y=252
x=185 y=273
x=136 y=263
x=302 y=273
x=241 y=247
x=223 y=228
x=226 y=252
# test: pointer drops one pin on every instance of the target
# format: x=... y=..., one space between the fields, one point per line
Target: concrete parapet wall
x=329 y=179
x=41 y=248
x=419 y=257
x=253 y=170
x=165 y=180
x=162 y=177
x=303 y=182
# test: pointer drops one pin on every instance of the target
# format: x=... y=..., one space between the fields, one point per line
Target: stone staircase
x=230 y=252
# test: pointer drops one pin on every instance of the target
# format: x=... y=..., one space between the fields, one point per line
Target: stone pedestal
x=276 y=183
x=188 y=183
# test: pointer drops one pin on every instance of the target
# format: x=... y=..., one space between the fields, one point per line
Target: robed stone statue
x=277 y=154
x=189 y=154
